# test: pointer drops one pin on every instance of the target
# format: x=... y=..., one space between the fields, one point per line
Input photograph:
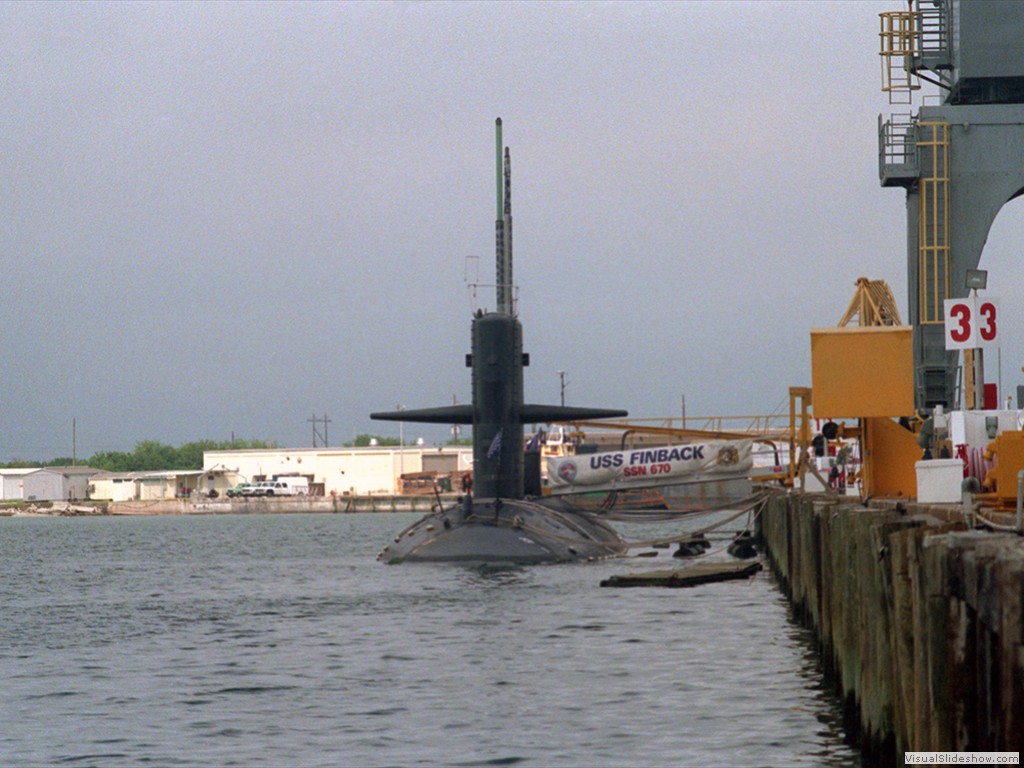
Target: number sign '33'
x=972 y=322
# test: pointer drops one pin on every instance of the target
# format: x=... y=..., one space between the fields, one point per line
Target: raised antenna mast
x=503 y=229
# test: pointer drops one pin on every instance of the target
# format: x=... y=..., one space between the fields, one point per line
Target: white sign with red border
x=972 y=322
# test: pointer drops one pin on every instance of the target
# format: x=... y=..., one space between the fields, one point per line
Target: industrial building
x=12 y=486
x=330 y=471
x=335 y=471
x=47 y=483
x=143 y=486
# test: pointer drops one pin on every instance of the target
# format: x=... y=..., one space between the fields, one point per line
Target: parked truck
x=284 y=486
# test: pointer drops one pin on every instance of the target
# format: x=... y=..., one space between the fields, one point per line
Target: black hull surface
x=506 y=531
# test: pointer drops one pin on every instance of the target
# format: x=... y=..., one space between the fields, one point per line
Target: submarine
x=503 y=519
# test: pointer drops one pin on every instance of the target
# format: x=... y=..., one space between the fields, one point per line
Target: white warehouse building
x=12 y=483
x=57 y=484
x=337 y=471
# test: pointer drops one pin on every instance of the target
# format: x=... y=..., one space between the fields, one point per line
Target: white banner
x=695 y=462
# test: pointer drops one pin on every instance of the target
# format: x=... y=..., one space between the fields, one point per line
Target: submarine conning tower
x=497 y=361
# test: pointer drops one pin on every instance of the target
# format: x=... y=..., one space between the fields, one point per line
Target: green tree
x=154 y=456
x=190 y=455
x=111 y=461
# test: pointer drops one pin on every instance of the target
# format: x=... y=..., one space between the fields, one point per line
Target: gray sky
x=223 y=218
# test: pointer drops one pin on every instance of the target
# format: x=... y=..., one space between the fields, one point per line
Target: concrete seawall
x=279 y=505
x=919 y=621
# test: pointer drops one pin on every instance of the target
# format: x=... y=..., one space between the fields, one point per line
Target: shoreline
x=240 y=506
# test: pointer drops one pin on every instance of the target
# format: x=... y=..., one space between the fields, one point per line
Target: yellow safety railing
x=799 y=433
x=898 y=37
x=768 y=426
x=933 y=225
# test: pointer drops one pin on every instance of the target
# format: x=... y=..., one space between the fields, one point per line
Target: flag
x=534 y=445
x=495 y=448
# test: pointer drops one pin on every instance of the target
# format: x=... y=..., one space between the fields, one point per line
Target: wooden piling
x=919 y=622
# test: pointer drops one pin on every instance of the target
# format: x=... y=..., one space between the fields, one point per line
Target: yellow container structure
x=866 y=372
x=1009 y=454
x=862 y=372
x=890 y=452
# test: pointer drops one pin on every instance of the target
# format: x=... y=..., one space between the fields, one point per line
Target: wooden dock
x=689 y=576
x=919 y=620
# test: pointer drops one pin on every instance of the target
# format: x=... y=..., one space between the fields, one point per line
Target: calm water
x=279 y=641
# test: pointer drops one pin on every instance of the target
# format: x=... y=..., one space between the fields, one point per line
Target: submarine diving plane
x=498 y=522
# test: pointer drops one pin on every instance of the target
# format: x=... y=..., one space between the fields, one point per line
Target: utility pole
x=401 y=449
x=561 y=378
x=316 y=434
x=456 y=429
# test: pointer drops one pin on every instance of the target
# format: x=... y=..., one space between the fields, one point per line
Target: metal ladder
x=898 y=40
x=933 y=241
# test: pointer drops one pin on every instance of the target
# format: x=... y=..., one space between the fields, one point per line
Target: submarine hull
x=506 y=531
